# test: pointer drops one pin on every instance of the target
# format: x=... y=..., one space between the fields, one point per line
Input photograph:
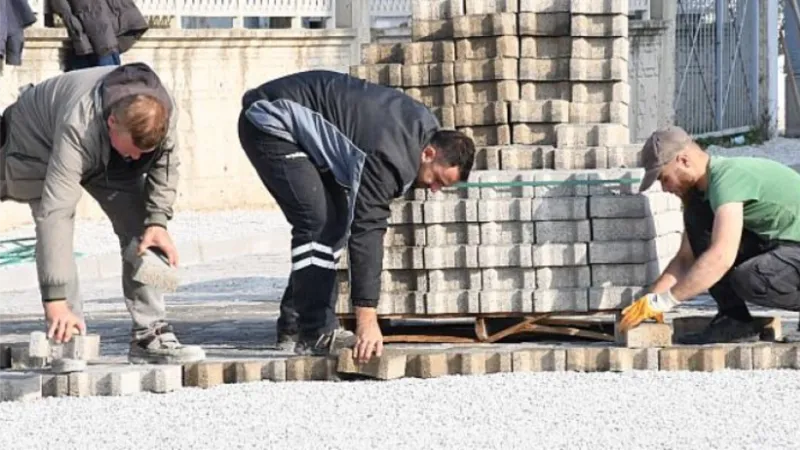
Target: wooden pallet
x=492 y=328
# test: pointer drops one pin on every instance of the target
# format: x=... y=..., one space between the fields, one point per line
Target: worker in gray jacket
x=111 y=131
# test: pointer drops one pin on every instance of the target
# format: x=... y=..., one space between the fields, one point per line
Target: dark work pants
x=77 y=62
x=765 y=273
x=315 y=205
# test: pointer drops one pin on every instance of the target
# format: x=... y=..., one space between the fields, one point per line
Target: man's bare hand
x=62 y=324
x=369 y=338
x=155 y=236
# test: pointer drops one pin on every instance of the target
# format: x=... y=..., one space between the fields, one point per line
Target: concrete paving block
x=446 y=115
x=480 y=25
x=382 y=53
x=591 y=25
x=86 y=348
x=432 y=96
x=560 y=300
x=274 y=370
x=591 y=135
x=432 y=74
x=401 y=303
x=646 y=335
x=640 y=206
x=495 y=69
x=449 y=211
x=39 y=345
x=598 y=70
x=5 y=356
x=535 y=111
x=544 y=24
x=539 y=134
x=580 y=158
x=540 y=359
x=586 y=113
x=614 y=297
x=544 y=70
x=453 y=280
x=490 y=192
x=785 y=356
x=446 y=234
x=432 y=365
x=761 y=354
x=474 y=114
x=625 y=156
x=487 y=158
x=600 y=48
x=310 y=368
x=503 y=233
x=20 y=387
x=456 y=193
x=641 y=274
x=738 y=356
x=487 y=91
x=431 y=30
x=79 y=384
x=402 y=258
x=545 y=90
x=634 y=252
x=514 y=255
x=405 y=235
x=623 y=359
x=619 y=182
x=471 y=362
x=564 y=183
x=644 y=358
x=563 y=231
x=451 y=257
x=513 y=301
x=429 y=52
x=526 y=157
x=436 y=9
x=247 y=371
x=692 y=358
x=504 y=210
x=55 y=385
x=499 y=362
x=21 y=360
x=618 y=229
x=452 y=302
x=563 y=277
x=162 y=378
x=488 y=47
x=383 y=74
x=588 y=359
x=491 y=6
x=599 y=6
x=560 y=254
x=389 y=366
x=594 y=92
x=115 y=381
x=545 y=6
x=204 y=374
x=488 y=135
x=559 y=208
x=508 y=278
x=545 y=47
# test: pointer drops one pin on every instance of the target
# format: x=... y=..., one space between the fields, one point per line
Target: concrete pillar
x=768 y=63
x=355 y=14
x=665 y=11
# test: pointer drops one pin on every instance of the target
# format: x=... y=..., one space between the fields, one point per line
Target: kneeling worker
x=741 y=239
x=334 y=151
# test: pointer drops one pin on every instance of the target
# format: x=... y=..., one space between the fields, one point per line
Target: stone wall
x=208 y=71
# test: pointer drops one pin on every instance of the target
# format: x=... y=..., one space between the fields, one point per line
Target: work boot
x=163 y=347
x=724 y=329
x=286 y=341
x=328 y=344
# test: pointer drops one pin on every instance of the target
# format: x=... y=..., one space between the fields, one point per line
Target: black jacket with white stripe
x=369 y=136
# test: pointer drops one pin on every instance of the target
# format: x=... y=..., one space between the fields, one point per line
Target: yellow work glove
x=650 y=306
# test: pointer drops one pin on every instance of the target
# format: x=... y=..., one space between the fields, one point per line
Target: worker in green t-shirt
x=741 y=238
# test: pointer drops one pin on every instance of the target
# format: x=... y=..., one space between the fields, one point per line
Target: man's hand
x=61 y=322
x=155 y=236
x=650 y=306
x=369 y=338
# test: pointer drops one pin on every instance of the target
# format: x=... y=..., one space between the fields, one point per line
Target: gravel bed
x=568 y=410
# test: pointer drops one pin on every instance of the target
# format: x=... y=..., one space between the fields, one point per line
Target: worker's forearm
x=704 y=273
x=366 y=316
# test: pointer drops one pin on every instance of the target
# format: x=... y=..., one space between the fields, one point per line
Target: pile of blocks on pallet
x=541 y=86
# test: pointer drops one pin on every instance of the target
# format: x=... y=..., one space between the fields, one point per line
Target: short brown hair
x=144 y=117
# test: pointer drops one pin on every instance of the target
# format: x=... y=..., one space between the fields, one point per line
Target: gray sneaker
x=330 y=343
x=163 y=348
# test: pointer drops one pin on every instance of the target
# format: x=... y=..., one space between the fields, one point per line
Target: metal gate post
x=719 y=92
x=755 y=22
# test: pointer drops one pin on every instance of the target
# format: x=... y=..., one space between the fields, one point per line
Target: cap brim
x=649 y=178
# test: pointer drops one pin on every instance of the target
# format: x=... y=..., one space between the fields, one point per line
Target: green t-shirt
x=769 y=190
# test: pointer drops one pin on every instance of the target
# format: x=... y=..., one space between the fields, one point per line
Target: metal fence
x=716 y=62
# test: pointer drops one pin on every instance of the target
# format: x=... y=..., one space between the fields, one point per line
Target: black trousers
x=315 y=205
x=765 y=273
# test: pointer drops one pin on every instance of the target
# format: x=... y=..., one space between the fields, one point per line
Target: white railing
x=402 y=8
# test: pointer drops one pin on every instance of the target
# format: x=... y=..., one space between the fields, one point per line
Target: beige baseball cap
x=660 y=148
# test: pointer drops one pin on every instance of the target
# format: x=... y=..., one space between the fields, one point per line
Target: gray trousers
x=124 y=204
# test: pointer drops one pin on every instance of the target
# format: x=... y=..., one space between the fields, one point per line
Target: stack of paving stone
x=536 y=83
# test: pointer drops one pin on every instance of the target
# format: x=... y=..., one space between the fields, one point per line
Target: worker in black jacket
x=334 y=151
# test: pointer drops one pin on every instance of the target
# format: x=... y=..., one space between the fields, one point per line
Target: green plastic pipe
x=479 y=184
